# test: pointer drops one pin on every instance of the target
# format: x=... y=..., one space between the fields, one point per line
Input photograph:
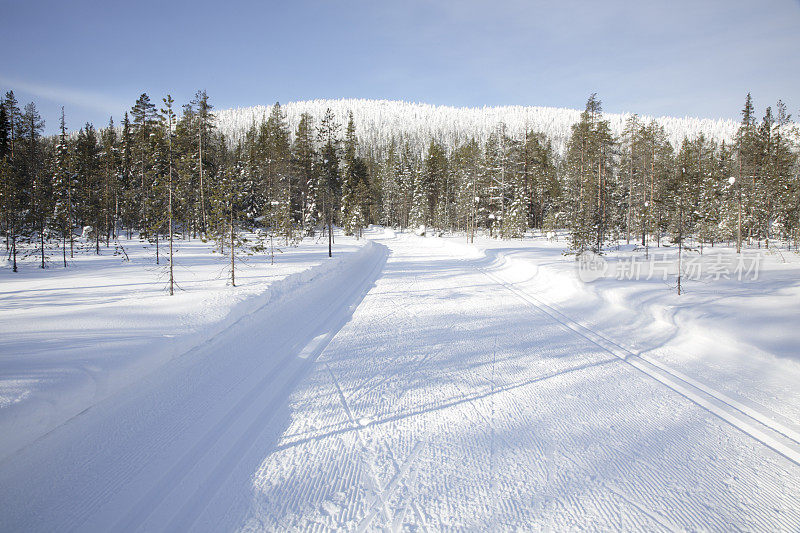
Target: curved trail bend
x=417 y=390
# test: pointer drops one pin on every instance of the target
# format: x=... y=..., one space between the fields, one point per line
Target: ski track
x=419 y=391
x=744 y=417
x=562 y=433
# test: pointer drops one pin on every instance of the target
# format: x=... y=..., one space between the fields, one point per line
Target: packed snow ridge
x=377 y=121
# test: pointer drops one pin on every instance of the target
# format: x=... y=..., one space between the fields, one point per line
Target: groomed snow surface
x=411 y=383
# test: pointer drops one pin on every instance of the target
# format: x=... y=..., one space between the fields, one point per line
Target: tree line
x=163 y=173
x=641 y=187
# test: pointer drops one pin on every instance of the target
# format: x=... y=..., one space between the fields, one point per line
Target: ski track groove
x=141 y=511
x=544 y=462
x=382 y=494
x=733 y=413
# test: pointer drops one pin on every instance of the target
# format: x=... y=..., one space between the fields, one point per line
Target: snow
x=422 y=383
x=377 y=120
x=738 y=334
x=496 y=415
x=71 y=337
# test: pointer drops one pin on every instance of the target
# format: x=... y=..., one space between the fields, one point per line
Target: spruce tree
x=205 y=123
x=63 y=185
x=746 y=163
x=330 y=180
x=279 y=185
x=351 y=216
x=466 y=164
x=389 y=184
x=305 y=171
x=88 y=166
x=6 y=185
x=127 y=182
x=14 y=197
x=144 y=119
x=168 y=120
x=787 y=179
x=429 y=186
x=589 y=164
x=38 y=195
x=110 y=181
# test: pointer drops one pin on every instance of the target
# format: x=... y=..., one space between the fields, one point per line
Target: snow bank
x=70 y=347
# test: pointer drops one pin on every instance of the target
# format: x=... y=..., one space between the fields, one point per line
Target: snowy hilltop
x=378 y=120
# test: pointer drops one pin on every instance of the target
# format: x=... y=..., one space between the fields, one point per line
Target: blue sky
x=657 y=58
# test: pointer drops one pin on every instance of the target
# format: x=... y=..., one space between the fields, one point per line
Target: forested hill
x=377 y=121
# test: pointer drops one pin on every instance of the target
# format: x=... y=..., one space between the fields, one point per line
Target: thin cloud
x=66 y=96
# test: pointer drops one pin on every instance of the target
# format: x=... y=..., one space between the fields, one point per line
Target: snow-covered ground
x=425 y=384
x=735 y=325
x=71 y=337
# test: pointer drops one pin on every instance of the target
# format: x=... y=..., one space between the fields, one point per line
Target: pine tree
x=186 y=190
x=88 y=167
x=352 y=218
x=466 y=164
x=127 y=182
x=205 y=127
x=787 y=179
x=515 y=208
x=709 y=186
x=305 y=171
x=36 y=185
x=63 y=185
x=589 y=164
x=361 y=193
x=277 y=151
x=429 y=184
x=680 y=200
x=144 y=120
x=330 y=181
x=658 y=169
x=110 y=179
x=7 y=188
x=538 y=172
x=228 y=220
x=390 y=191
x=746 y=159
x=14 y=116
x=168 y=120
x=407 y=176
x=630 y=170
x=14 y=197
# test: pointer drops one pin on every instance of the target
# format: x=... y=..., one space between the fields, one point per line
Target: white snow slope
x=377 y=120
x=428 y=386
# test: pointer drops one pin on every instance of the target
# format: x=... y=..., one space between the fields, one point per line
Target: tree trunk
x=739 y=223
x=41 y=239
x=680 y=245
x=233 y=248
x=14 y=248
x=202 y=193
x=630 y=200
x=171 y=272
